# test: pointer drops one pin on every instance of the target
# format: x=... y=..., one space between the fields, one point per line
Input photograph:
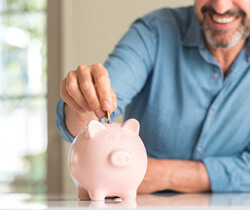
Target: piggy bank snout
x=120 y=158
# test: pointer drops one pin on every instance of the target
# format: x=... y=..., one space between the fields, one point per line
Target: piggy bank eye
x=122 y=136
x=111 y=137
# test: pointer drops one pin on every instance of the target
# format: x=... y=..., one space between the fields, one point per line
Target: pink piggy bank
x=107 y=160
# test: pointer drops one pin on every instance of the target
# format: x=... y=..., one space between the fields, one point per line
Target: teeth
x=223 y=19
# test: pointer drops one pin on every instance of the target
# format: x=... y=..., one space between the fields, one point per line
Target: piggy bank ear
x=94 y=127
x=133 y=125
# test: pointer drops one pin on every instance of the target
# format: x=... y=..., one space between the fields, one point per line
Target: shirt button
x=200 y=150
x=212 y=112
x=216 y=75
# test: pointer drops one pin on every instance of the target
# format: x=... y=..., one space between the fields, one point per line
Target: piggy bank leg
x=83 y=193
x=97 y=195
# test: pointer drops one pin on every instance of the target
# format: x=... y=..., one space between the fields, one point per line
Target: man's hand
x=84 y=90
x=177 y=175
x=88 y=89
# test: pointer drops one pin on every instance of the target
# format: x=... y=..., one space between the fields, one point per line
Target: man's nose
x=222 y=6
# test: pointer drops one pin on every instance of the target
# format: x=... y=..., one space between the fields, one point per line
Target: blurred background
x=40 y=41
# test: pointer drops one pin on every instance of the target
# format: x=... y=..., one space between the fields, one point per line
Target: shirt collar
x=194 y=38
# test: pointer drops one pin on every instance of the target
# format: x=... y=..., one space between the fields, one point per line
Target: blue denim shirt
x=165 y=77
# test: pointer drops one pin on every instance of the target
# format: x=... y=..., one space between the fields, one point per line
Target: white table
x=157 y=201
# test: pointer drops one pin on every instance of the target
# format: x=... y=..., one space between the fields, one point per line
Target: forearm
x=176 y=175
x=186 y=176
x=76 y=121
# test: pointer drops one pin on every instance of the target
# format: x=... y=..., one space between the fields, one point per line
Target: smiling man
x=184 y=73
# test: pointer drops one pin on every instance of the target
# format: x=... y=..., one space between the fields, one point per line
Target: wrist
x=204 y=176
x=76 y=121
x=186 y=176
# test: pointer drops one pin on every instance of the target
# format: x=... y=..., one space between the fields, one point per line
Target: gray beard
x=242 y=32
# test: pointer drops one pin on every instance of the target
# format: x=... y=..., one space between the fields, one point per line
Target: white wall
x=90 y=30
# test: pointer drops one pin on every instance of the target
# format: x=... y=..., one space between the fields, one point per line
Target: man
x=185 y=75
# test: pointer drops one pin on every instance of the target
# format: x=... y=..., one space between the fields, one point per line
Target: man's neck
x=226 y=56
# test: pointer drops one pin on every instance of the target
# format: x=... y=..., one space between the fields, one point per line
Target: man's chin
x=223 y=41
x=222 y=44
x=226 y=39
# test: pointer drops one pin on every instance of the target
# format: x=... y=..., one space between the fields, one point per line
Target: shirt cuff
x=216 y=174
x=60 y=122
x=229 y=174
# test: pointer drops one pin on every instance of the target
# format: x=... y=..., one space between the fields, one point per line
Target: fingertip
x=106 y=106
x=100 y=114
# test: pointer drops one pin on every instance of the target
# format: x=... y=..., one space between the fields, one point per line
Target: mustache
x=211 y=10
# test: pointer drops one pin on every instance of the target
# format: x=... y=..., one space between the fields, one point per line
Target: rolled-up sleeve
x=229 y=174
x=60 y=123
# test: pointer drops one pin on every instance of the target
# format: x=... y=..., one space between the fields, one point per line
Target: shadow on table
x=174 y=199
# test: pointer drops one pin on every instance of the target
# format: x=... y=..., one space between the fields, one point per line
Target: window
x=23 y=96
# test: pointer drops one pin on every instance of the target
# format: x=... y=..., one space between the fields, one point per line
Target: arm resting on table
x=176 y=175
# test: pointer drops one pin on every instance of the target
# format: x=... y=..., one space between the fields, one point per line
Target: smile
x=223 y=20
